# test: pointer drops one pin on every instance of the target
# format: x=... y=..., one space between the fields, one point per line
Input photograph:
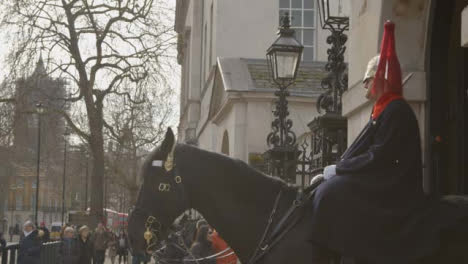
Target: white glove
x=317 y=178
x=329 y=172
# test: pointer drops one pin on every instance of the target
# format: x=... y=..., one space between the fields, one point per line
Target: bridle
x=175 y=186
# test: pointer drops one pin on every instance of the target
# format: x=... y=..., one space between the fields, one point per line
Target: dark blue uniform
x=375 y=208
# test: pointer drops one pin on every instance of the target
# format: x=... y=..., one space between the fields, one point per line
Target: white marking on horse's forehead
x=157 y=163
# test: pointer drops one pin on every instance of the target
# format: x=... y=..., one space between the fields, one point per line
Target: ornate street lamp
x=40 y=109
x=334 y=14
x=329 y=130
x=283 y=59
x=284 y=55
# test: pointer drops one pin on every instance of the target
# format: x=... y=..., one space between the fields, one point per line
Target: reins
x=281 y=229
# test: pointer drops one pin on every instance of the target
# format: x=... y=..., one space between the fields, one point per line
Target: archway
x=447 y=100
x=225 y=144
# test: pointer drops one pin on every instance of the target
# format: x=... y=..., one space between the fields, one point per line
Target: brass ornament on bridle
x=153 y=226
x=164 y=187
x=178 y=179
x=169 y=166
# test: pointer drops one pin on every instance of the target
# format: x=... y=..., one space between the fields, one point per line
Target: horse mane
x=245 y=173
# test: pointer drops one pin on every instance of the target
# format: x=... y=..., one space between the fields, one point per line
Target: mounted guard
x=372 y=205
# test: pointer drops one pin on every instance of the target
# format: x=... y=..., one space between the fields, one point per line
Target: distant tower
x=38 y=87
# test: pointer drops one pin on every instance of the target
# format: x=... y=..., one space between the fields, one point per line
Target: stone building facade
x=226 y=97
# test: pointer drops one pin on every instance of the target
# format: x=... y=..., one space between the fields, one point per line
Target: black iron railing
x=49 y=253
x=10 y=253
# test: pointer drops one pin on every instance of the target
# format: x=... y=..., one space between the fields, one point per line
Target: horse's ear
x=168 y=142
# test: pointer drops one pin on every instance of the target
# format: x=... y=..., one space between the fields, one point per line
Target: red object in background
x=115 y=220
x=219 y=245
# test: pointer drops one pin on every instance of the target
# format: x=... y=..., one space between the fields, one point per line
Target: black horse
x=236 y=199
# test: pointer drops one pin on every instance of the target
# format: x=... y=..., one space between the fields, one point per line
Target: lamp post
x=39 y=110
x=329 y=130
x=65 y=137
x=86 y=180
x=333 y=17
x=283 y=59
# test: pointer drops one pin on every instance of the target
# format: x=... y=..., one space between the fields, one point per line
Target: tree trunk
x=133 y=192
x=96 y=142
x=97 y=179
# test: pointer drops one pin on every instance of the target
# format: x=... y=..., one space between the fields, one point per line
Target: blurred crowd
x=80 y=245
x=192 y=241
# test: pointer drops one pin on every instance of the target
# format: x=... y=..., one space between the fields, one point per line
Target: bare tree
x=135 y=128
x=98 y=45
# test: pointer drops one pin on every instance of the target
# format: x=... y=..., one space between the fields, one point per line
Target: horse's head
x=160 y=200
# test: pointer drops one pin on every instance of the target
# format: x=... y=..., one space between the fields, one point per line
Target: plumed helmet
x=388 y=75
x=371 y=68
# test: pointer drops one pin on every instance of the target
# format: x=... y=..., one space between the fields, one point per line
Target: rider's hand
x=315 y=179
x=329 y=172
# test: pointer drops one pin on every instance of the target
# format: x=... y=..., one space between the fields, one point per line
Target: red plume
x=387 y=81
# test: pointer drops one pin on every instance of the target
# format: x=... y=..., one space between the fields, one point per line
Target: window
x=19 y=183
x=302 y=14
x=19 y=201
x=33 y=201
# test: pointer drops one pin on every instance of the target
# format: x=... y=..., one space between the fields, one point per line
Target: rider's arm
x=387 y=143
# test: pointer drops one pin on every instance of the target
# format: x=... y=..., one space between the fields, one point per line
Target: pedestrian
x=46 y=236
x=122 y=247
x=62 y=230
x=30 y=245
x=112 y=245
x=219 y=245
x=16 y=231
x=100 y=240
x=2 y=243
x=11 y=231
x=201 y=248
x=69 y=250
x=85 y=246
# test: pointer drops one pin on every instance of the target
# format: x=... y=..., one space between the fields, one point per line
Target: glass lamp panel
x=337 y=8
x=286 y=63
x=271 y=64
